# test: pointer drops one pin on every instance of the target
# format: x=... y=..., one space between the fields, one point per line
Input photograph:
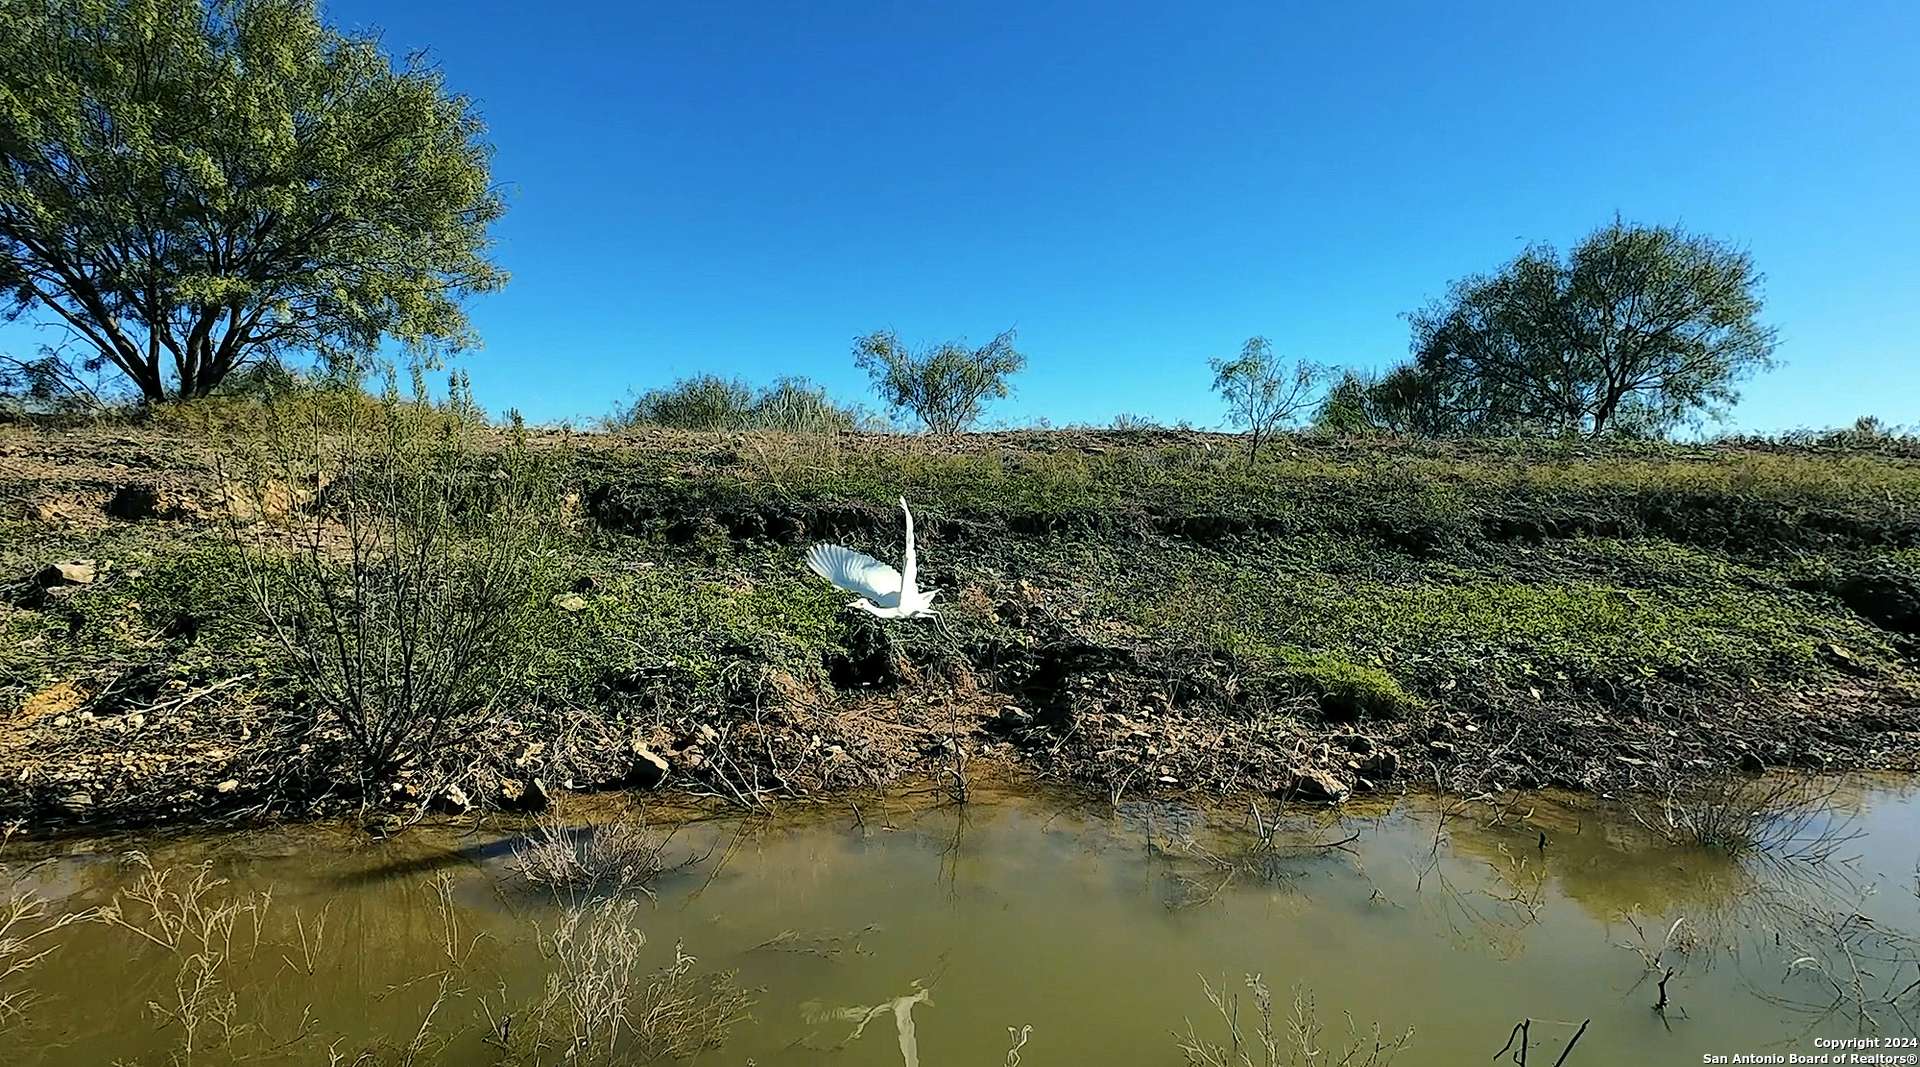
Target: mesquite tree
x=1637 y=328
x=190 y=186
x=1264 y=392
x=943 y=386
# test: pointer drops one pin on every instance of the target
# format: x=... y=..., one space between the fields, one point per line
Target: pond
x=911 y=930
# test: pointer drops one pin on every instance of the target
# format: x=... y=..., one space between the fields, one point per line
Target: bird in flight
x=883 y=591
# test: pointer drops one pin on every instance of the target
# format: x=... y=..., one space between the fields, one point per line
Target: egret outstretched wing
x=856 y=572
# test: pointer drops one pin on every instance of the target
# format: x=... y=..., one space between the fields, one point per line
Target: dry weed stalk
x=1784 y=817
x=25 y=925
x=1297 y=1045
x=600 y=1007
x=622 y=854
x=187 y=915
x=1263 y=855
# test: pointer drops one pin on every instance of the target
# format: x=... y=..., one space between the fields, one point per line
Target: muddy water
x=916 y=932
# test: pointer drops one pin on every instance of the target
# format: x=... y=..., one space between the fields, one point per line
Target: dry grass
x=210 y=933
x=621 y=854
x=26 y=926
x=601 y=1006
x=1297 y=1041
x=1789 y=818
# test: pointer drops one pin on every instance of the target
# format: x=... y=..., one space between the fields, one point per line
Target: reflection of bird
x=901 y=1008
x=884 y=592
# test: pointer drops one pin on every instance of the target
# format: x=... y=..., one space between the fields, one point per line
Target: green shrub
x=710 y=402
x=401 y=565
x=1347 y=691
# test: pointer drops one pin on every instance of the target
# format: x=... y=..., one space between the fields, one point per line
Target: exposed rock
x=1359 y=743
x=570 y=602
x=528 y=795
x=1442 y=750
x=77 y=802
x=1381 y=765
x=71 y=572
x=227 y=786
x=1314 y=785
x=649 y=768
x=1011 y=719
x=452 y=800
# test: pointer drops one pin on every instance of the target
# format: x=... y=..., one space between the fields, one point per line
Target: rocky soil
x=1132 y=612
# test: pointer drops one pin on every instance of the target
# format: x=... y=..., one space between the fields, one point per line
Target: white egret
x=884 y=592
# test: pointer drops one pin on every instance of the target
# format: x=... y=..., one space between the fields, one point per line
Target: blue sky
x=743 y=188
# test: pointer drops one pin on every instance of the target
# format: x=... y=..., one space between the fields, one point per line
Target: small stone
x=570 y=602
x=1442 y=750
x=77 y=801
x=1358 y=743
x=227 y=786
x=452 y=800
x=1381 y=765
x=1315 y=785
x=528 y=795
x=649 y=767
x=72 y=572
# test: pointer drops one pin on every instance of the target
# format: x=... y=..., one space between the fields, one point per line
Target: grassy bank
x=1134 y=610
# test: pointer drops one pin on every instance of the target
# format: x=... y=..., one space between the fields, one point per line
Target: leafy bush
x=710 y=402
x=944 y=386
x=399 y=565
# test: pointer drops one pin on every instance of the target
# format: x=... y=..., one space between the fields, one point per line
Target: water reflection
x=900 y=1007
x=1456 y=919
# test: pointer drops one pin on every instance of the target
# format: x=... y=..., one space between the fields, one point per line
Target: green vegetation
x=1637 y=330
x=945 y=386
x=1263 y=392
x=709 y=402
x=1375 y=585
x=192 y=188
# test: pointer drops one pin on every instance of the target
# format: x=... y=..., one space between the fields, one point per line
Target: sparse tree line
x=196 y=191
x=1637 y=331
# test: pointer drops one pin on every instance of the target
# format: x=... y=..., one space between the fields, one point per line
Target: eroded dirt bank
x=1131 y=611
